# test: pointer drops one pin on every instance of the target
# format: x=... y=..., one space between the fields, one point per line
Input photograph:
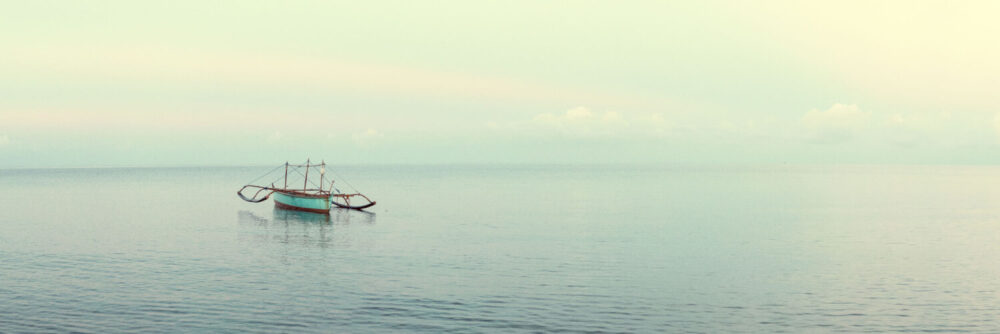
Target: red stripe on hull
x=289 y=207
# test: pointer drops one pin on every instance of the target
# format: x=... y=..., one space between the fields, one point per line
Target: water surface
x=506 y=249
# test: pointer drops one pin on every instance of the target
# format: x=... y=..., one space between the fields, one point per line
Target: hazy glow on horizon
x=121 y=83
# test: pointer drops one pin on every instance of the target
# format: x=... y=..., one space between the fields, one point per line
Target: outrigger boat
x=315 y=199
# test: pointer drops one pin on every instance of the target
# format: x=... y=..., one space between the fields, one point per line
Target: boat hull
x=302 y=202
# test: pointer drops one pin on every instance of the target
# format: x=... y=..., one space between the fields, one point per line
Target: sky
x=194 y=83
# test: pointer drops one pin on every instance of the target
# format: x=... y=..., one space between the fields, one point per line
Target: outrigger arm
x=254 y=198
x=347 y=201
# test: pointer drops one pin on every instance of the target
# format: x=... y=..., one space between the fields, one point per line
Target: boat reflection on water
x=303 y=228
x=348 y=216
x=286 y=217
x=301 y=217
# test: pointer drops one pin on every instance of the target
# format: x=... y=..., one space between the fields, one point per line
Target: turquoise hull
x=301 y=202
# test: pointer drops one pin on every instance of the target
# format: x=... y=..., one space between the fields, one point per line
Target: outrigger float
x=315 y=199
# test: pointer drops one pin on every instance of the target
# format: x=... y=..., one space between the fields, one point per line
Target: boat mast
x=305 y=183
x=286 y=174
x=322 y=172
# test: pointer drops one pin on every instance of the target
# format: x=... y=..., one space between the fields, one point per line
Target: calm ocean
x=595 y=249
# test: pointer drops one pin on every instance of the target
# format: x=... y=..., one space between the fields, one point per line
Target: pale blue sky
x=130 y=83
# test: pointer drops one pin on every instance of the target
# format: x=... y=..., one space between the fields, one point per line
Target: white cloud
x=367 y=138
x=655 y=122
x=903 y=128
x=912 y=128
x=578 y=114
x=839 y=123
x=838 y=116
x=580 y=121
x=274 y=137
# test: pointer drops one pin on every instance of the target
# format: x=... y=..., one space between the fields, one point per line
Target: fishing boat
x=311 y=197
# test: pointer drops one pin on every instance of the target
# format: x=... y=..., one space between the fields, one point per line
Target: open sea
x=506 y=249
